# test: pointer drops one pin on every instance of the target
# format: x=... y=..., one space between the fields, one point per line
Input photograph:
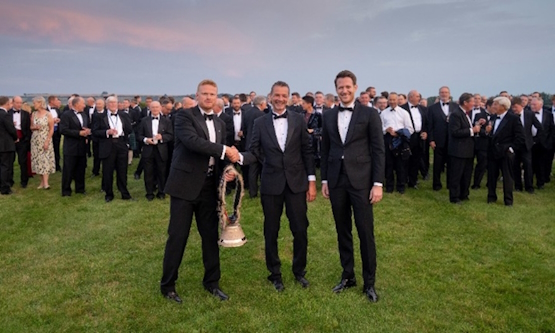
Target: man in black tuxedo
x=192 y=185
x=228 y=120
x=460 y=148
x=419 y=119
x=543 y=142
x=295 y=103
x=8 y=138
x=438 y=115
x=280 y=141
x=481 y=141
x=155 y=132
x=96 y=116
x=112 y=132
x=506 y=137
x=251 y=115
x=54 y=108
x=353 y=172
x=22 y=123
x=144 y=113
x=523 y=154
x=237 y=113
x=74 y=126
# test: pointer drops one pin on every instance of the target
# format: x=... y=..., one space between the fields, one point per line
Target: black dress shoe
x=437 y=188
x=475 y=187
x=344 y=284
x=217 y=292
x=128 y=198
x=108 y=199
x=530 y=190
x=541 y=187
x=161 y=196
x=149 y=197
x=303 y=281
x=278 y=284
x=137 y=176
x=371 y=294
x=172 y=295
x=23 y=185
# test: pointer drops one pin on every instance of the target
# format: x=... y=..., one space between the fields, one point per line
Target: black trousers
x=481 y=165
x=460 y=175
x=56 y=138
x=96 y=159
x=346 y=200
x=6 y=171
x=116 y=161
x=523 y=161
x=181 y=218
x=155 y=173
x=440 y=162
x=415 y=161
x=254 y=174
x=295 y=209
x=540 y=163
x=506 y=165
x=425 y=162
x=74 y=170
x=394 y=166
x=549 y=164
x=22 y=151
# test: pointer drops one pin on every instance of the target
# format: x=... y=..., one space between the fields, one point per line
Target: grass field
x=78 y=264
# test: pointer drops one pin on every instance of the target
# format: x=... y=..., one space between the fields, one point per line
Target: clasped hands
x=157 y=137
x=232 y=154
x=85 y=131
x=112 y=131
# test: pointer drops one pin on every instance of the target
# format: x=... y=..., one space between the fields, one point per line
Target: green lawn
x=78 y=264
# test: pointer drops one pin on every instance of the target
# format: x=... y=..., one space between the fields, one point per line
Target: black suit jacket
x=509 y=134
x=460 y=142
x=250 y=116
x=105 y=144
x=481 y=140
x=229 y=128
x=438 y=123
x=165 y=128
x=25 y=126
x=548 y=136
x=8 y=133
x=74 y=144
x=363 y=150
x=192 y=152
x=415 y=137
x=529 y=120
x=291 y=166
x=229 y=112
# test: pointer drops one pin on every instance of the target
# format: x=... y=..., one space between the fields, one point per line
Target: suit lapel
x=334 y=130
x=202 y=122
x=218 y=128
x=501 y=124
x=76 y=120
x=351 y=128
x=149 y=127
x=290 y=130
x=270 y=128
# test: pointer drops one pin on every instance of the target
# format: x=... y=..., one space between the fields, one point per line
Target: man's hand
x=240 y=134
x=149 y=141
x=56 y=120
x=229 y=176
x=325 y=191
x=476 y=129
x=433 y=144
x=376 y=194
x=158 y=137
x=112 y=131
x=232 y=154
x=488 y=129
x=423 y=135
x=85 y=132
x=310 y=130
x=311 y=193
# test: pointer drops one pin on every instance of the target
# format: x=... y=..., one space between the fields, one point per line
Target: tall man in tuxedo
x=543 y=142
x=353 y=169
x=22 y=123
x=437 y=133
x=192 y=184
x=237 y=112
x=155 y=132
x=419 y=120
x=506 y=137
x=8 y=138
x=96 y=116
x=75 y=127
x=251 y=115
x=228 y=120
x=481 y=141
x=460 y=148
x=112 y=132
x=54 y=109
x=523 y=154
x=281 y=142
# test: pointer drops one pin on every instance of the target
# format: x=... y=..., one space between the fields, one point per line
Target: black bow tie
x=16 y=111
x=154 y=118
x=208 y=116
x=283 y=115
x=341 y=109
x=114 y=114
x=443 y=104
x=237 y=113
x=414 y=106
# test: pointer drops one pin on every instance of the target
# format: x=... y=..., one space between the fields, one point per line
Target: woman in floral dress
x=42 y=150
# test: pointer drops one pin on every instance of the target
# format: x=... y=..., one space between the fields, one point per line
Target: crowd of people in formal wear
x=362 y=144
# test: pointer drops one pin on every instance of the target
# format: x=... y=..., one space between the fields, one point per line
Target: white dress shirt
x=539 y=116
x=212 y=135
x=445 y=108
x=416 y=117
x=54 y=114
x=155 y=124
x=115 y=123
x=498 y=121
x=79 y=116
x=17 y=119
x=237 y=124
x=343 y=121
x=396 y=118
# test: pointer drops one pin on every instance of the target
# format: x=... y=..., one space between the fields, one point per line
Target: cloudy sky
x=168 y=46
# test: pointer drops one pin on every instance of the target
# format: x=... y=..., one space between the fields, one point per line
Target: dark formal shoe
x=371 y=294
x=518 y=190
x=437 y=188
x=475 y=187
x=161 y=196
x=128 y=198
x=426 y=177
x=172 y=295
x=108 y=199
x=508 y=205
x=415 y=187
x=344 y=284
x=149 y=198
x=66 y=194
x=540 y=187
x=217 y=292
x=302 y=281
x=464 y=199
x=93 y=175
x=456 y=202
x=23 y=185
x=401 y=191
x=278 y=284
x=83 y=193
x=530 y=190
x=491 y=201
x=137 y=176
x=388 y=191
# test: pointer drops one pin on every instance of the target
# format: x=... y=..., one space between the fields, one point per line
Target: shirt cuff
x=378 y=184
x=311 y=178
x=240 y=159
x=324 y=181
x=144 y=140
x=223 y=153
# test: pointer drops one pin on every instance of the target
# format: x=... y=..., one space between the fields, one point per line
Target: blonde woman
x=42 y=150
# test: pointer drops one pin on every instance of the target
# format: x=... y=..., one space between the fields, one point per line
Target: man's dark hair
x=489 y=102
x=309 y=99
x=344 y=74
x=4 y=100
x=517 y=100
x=385 y=94
x=243 y=97
x=465 y=97
x=279 y=84
x=296 y=94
